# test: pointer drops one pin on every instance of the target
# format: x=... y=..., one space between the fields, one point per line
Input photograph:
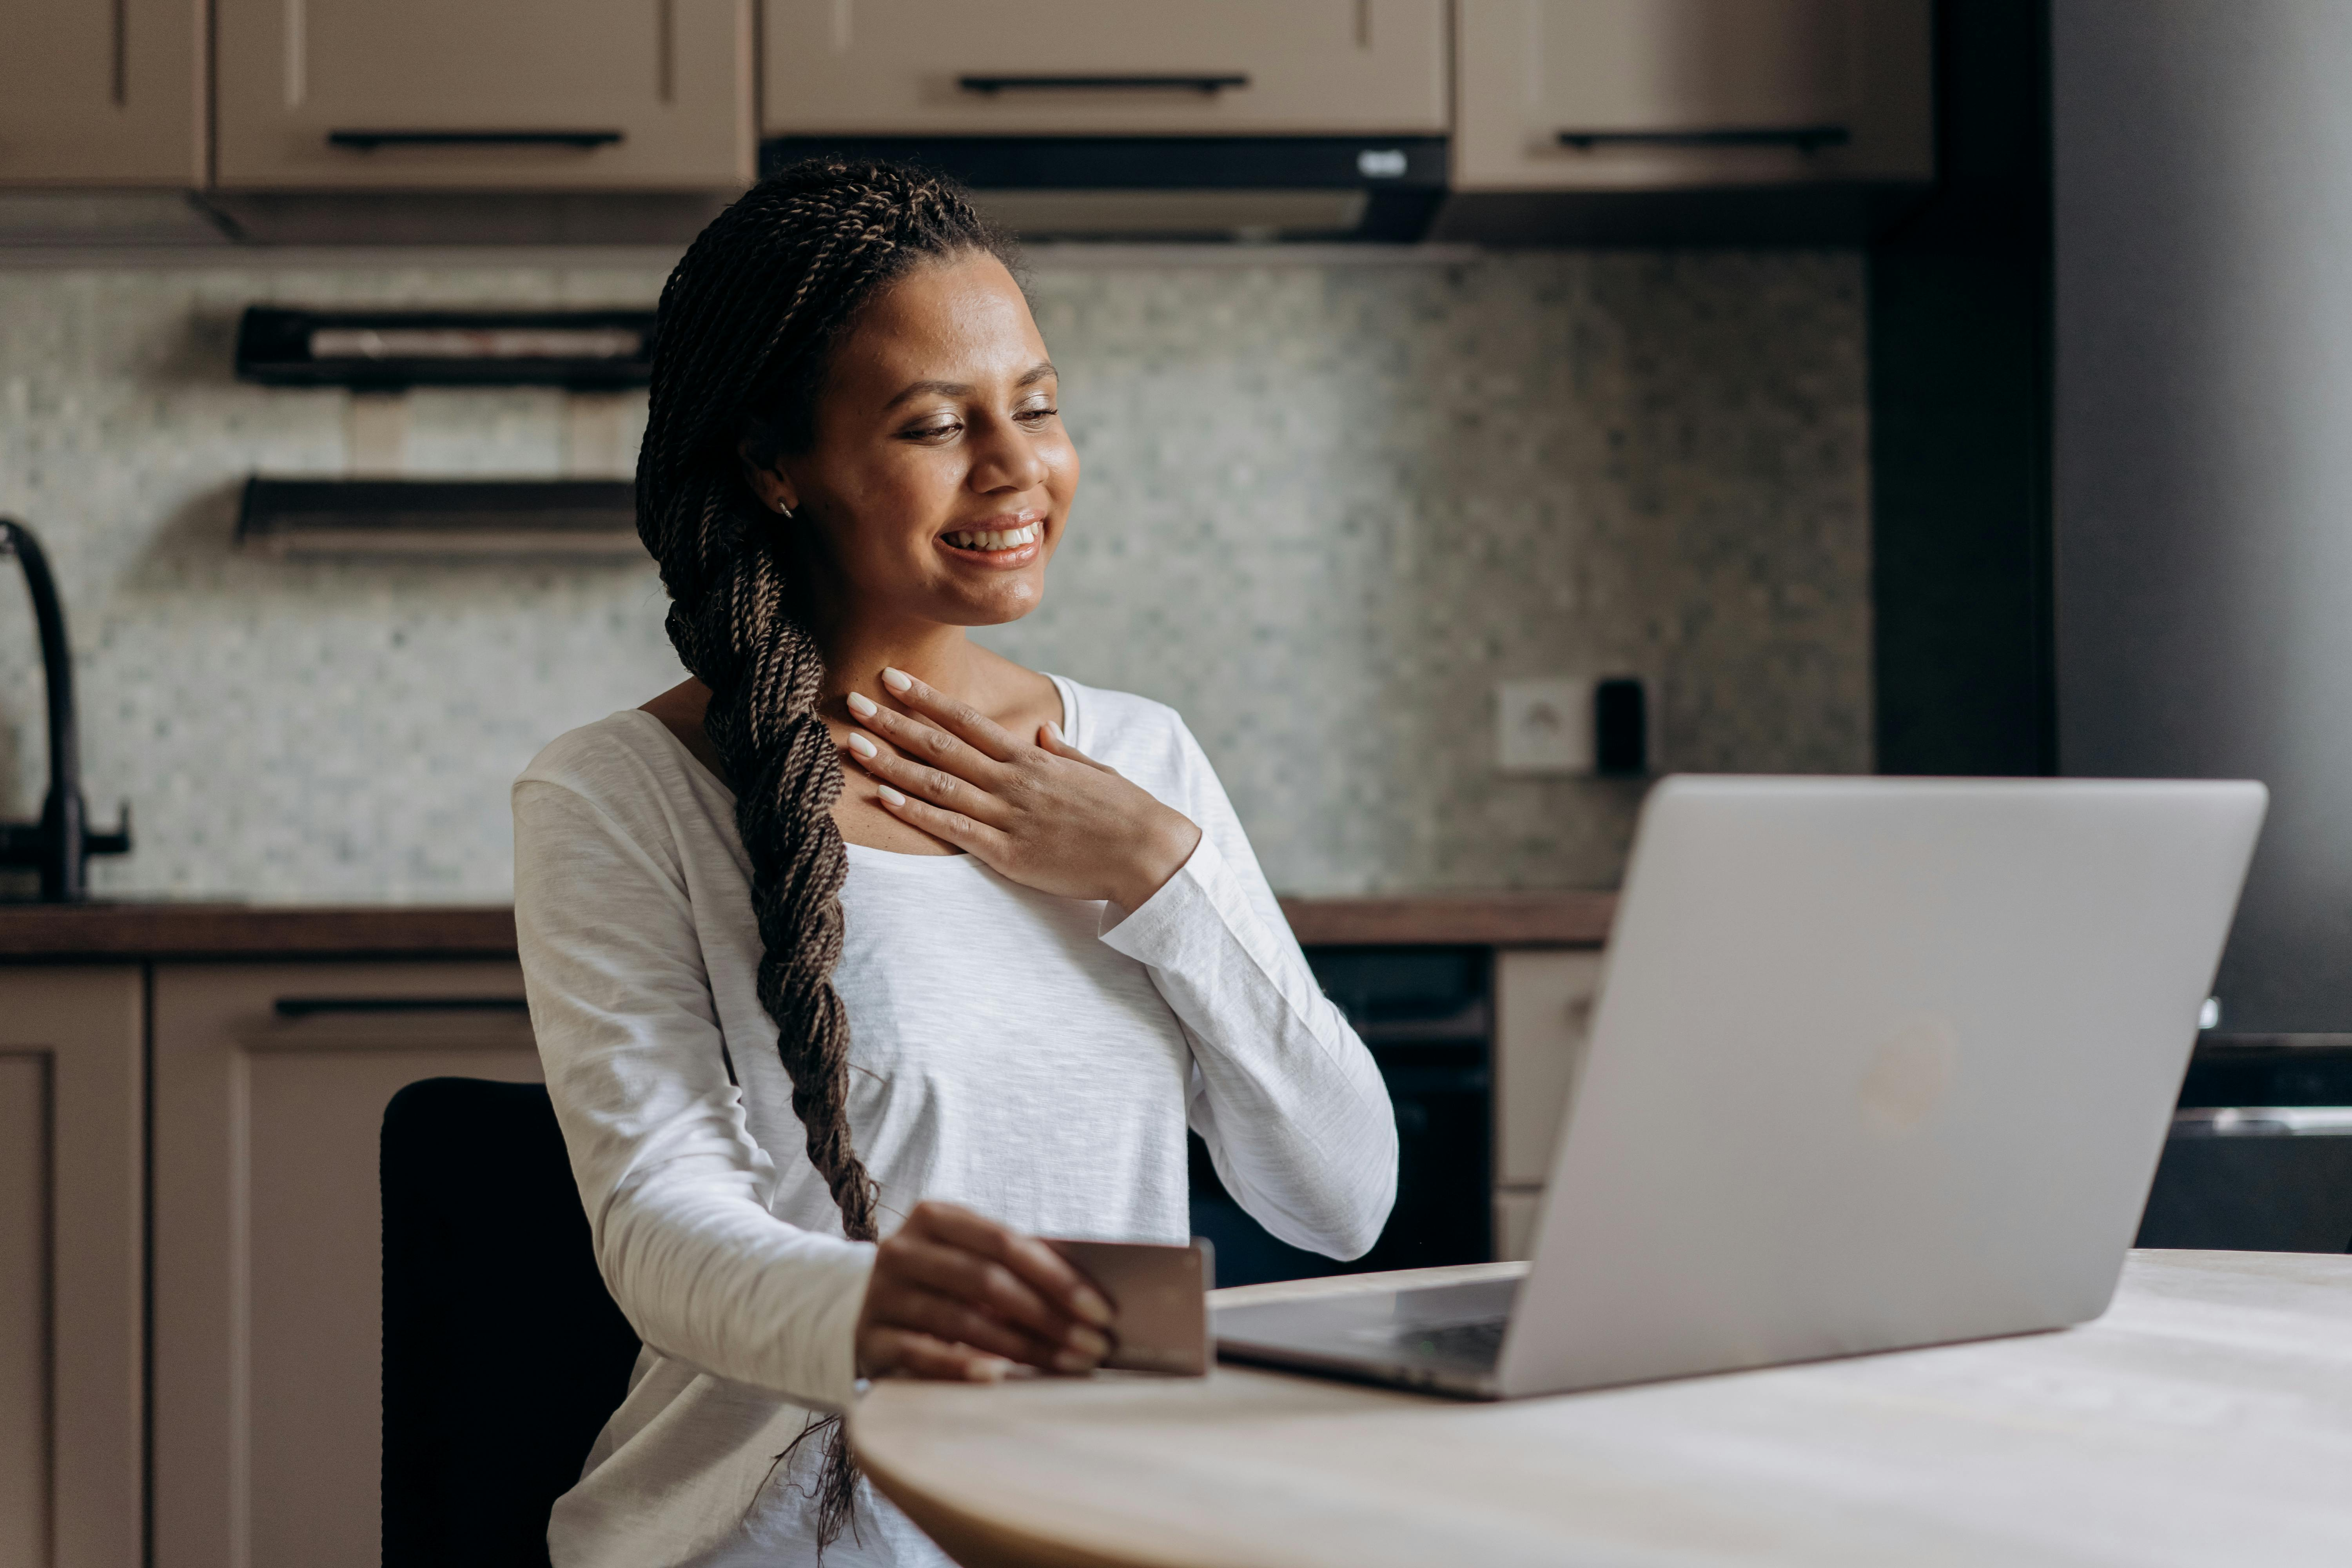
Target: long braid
x=747 y=327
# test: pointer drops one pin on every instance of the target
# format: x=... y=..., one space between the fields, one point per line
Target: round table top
x=2206 y=1418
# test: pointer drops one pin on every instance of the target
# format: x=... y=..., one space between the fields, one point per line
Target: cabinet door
x=445 y=95
x=1543 y=1016
x=102 y=95
x=268 y=1305
x=72 y=1230
x=994 y=67
x=1656 y=94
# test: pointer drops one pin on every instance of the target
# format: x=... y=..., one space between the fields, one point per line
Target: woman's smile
x=1008 y=540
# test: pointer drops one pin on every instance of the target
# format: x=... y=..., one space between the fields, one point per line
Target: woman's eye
x=1033 y=415
x=933 y=432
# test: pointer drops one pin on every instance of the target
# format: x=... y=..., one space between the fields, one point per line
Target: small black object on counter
x=1620 y=729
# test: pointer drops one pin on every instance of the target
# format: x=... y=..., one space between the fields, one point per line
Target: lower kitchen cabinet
x=70 y=1237
x=1543 y=1019
x=270 y=1082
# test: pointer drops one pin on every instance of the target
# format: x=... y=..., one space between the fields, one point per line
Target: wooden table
x=2206 y=1419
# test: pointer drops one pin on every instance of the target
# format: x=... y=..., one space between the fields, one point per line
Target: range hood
x=1250 y=188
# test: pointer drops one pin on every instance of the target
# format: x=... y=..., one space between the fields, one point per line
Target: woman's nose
x=1007 y=460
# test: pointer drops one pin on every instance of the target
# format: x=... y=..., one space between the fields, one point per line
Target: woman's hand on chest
x=1044 y=814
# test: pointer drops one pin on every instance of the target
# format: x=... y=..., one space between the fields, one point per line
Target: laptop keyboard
x=1478 y=1340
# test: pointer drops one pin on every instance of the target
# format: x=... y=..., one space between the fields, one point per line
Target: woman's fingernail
x=1071 y=1360
x=862 y=746
x=1087 y=1342
x=862 y=705
x=893 y=797
x=898 y=679
x=989 y=1370
x=1091 y=1306
x=1055 y=731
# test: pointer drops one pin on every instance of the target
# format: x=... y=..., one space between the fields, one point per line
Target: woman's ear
x=775 y=492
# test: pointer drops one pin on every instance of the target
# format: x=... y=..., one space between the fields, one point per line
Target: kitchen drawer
x=992 y=67
x=268 y=1304
x=1668 y=94
x=545 y=95
x=1543 y=1014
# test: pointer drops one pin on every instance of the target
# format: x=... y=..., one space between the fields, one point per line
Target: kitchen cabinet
x=1543 y=1020
x=451 y=95
x=1032 y=67
x=96 y=95
x=1652 y=95
x=71 y=1232
x=270 y=1082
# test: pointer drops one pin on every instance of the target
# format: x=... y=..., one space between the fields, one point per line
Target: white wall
x=1326 y=506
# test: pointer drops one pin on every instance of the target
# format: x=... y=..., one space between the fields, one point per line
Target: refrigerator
x=2202 y=526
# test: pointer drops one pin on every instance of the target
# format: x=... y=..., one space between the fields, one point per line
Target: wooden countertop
x=2206 y=1418
x=103 y=931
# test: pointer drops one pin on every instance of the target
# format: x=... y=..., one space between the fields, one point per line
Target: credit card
x=1161 y=1295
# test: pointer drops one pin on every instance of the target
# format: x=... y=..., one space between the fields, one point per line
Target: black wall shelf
x=327 y=517
x=585 y=350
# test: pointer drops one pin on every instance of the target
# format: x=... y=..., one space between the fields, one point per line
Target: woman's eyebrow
x=1030 y=377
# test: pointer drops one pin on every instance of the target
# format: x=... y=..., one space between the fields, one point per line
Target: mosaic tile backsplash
x=1325 y=508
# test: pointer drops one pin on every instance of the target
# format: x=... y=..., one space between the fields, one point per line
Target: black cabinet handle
x=1206 y=85
x=1803 y=138
x=369 y=140
x=317 y=1006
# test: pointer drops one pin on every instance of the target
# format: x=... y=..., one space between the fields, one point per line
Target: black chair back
x=503 y=1353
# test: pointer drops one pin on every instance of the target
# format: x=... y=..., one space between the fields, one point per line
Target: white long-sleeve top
x=1033 y=1057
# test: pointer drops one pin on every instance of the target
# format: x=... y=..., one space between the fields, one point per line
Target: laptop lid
x=1877 y=1063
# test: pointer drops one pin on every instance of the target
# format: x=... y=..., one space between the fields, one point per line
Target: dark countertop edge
x=131 y=930
x=99 y=932
x=1565 y=919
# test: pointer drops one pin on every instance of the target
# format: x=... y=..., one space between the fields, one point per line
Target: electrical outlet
x=1544 y=726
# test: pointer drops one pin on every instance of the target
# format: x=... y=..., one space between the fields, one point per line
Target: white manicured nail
x=862 y=746
x=862 y=705
x=898 y=679
x=893 y=797
x=990 y=1370
x=1055 y=731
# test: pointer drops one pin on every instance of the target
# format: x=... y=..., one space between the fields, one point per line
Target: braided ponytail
x=747 y=325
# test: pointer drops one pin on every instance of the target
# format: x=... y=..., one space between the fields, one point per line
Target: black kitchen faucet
x=61 y=843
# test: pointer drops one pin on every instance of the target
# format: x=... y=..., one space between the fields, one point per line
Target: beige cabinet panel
x=269 y=1310
x=652 y=94
x=25 y=1463
x=102 y=95
x=71 y=1232
x=982 y=68
x=1543 y=1016
x=1660 y=94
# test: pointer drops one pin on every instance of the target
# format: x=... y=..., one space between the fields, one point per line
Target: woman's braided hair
x=748 y=327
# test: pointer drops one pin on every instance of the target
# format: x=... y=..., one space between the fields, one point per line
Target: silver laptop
x=1877 y=1063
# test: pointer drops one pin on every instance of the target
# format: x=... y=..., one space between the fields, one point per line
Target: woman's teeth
x=995 y=539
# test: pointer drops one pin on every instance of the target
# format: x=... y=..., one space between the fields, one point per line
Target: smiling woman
x=833 y=1047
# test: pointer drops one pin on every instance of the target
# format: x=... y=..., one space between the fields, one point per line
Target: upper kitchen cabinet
x=1661 y=95
x=1139 y=67
x=456 y=95
x=102 y=95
